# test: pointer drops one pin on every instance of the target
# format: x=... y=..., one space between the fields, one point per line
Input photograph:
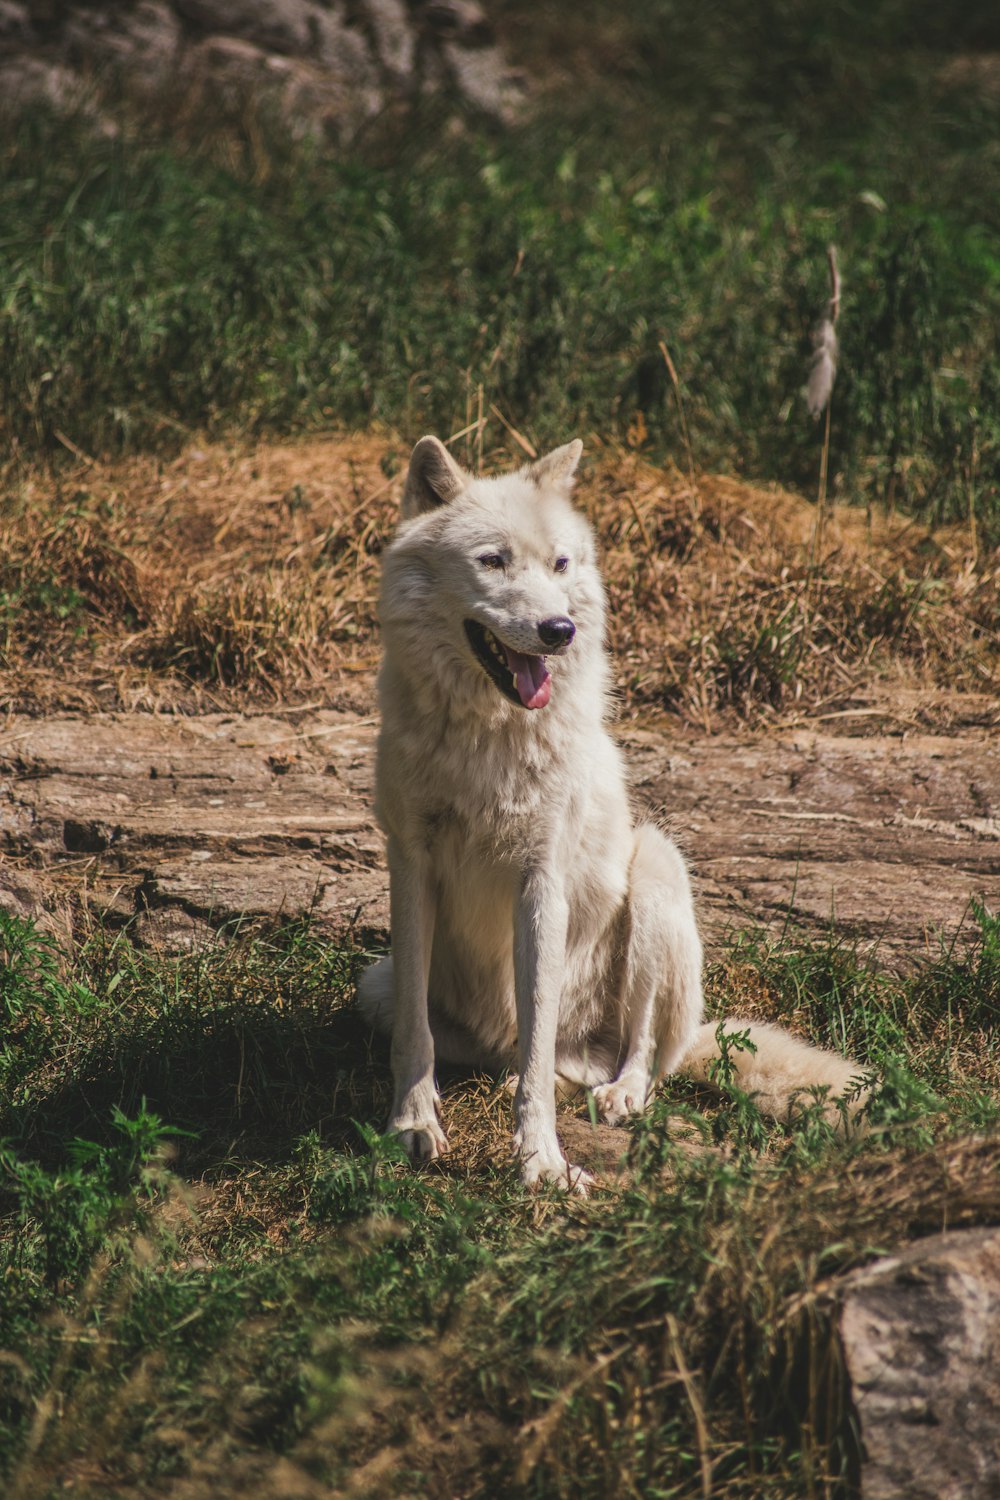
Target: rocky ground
x=322 y=67
x=181 y=825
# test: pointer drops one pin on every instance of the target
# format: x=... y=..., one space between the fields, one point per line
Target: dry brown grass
x=719 y=606
x=251 y=575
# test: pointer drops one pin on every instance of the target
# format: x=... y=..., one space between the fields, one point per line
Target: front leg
x=661 y=993
x=414 y=1116
x=540 y=922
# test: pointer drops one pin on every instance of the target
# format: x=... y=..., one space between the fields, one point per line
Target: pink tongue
x=534 y=684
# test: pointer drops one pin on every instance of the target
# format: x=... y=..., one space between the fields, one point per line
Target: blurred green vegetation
x=678 y=179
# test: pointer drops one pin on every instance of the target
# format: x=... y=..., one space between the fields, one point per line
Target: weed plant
x=219 y=1277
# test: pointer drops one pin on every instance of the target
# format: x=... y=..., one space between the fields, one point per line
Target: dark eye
x=561 y=564
x=494 y=560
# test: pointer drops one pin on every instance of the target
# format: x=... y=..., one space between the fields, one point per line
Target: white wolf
x=532 y=921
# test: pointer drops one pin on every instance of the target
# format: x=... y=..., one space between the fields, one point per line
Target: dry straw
x=237 y=576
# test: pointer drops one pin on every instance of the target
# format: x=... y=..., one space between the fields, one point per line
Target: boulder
x=920 y=1337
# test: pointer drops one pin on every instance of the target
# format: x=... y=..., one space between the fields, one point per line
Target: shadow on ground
x=242 y=1085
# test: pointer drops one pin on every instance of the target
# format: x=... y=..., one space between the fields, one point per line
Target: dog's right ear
x=433 y=479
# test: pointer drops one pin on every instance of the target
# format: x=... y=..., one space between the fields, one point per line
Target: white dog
x=532 y=920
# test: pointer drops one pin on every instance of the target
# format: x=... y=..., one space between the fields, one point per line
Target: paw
x=617 y=1100
x=553 y=1170
x=422 y=1140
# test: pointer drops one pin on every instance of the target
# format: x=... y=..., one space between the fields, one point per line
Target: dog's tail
x=782 y=1074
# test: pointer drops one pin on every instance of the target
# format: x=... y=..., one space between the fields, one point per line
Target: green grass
x=686 y=194
x=213 y=1265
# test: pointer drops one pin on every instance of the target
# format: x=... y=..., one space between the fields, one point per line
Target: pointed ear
x=433 y=479
x=558 y=467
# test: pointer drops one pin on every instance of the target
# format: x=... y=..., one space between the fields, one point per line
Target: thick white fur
x=532 y=919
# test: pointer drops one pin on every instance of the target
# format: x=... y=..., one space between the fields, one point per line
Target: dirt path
x=181 y=825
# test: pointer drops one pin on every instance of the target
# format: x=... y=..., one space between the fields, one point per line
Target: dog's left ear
x=433 y=478
x=558 y=467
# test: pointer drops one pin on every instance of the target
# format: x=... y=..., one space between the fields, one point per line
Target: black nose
x=558 y=631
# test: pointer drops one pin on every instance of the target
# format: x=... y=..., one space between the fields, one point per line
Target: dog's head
x=494 y=575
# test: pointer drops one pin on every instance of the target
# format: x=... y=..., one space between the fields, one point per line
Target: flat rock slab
x=214 y=818
x=886 y=837
x=186 y=824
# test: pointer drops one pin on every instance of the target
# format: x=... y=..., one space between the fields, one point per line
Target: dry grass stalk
x=822 y=374
x=675 y=382
x=973 y=533
x=519 y=438
x=697 y=1408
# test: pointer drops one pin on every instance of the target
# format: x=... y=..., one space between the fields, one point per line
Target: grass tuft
x=260 y=633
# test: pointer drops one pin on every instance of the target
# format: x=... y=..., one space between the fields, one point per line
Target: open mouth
x=524 y=679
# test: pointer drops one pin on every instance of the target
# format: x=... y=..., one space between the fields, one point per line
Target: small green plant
x=72 y=1211
x=342 y=1187
x=903 y=1109
x=724 y=1070
x=739 y=1119
x=966 y=977
x=30 y=980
